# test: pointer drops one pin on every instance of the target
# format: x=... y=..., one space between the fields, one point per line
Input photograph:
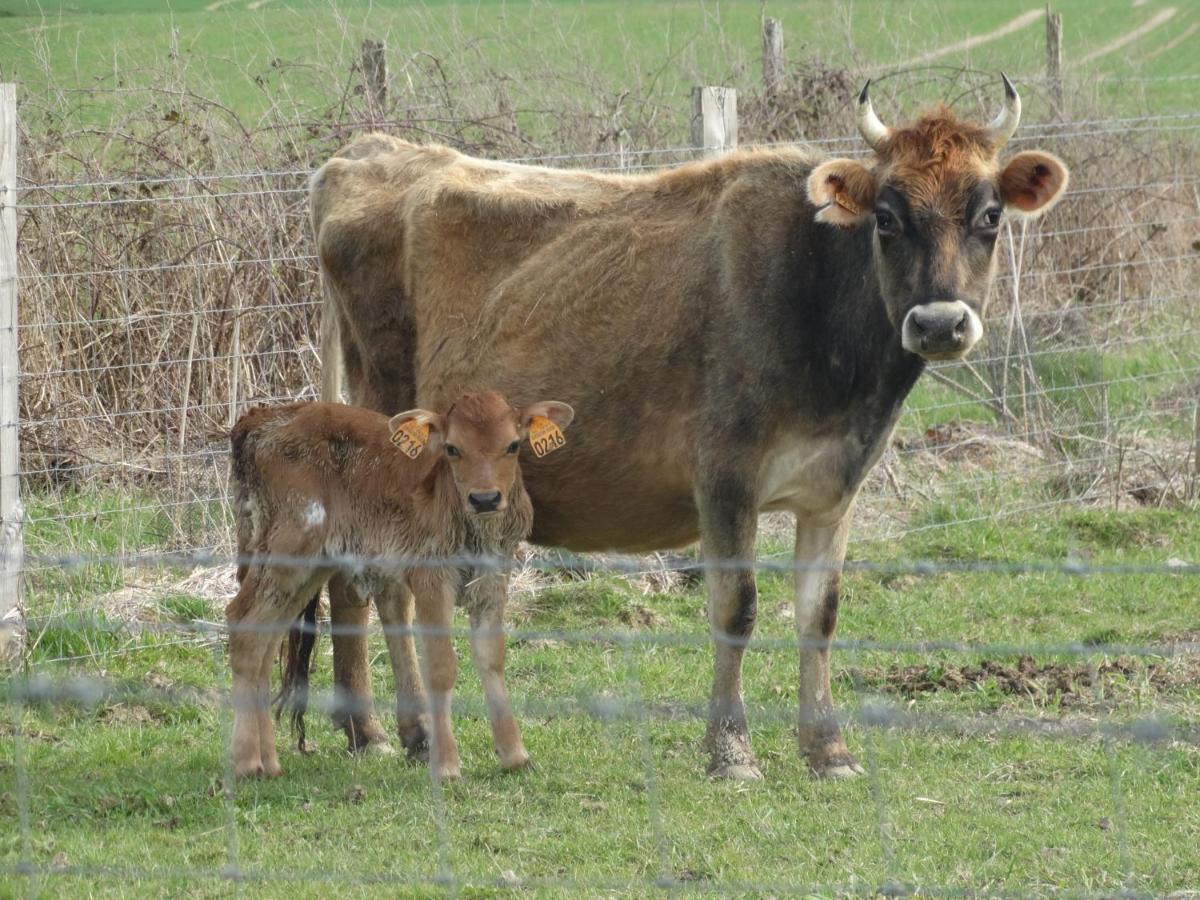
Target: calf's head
x=479 y=438
x=934 y=197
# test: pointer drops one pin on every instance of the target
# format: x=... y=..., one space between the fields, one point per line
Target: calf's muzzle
x=484 y=501
x=943 y=329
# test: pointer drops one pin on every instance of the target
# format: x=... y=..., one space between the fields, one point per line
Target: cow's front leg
x=728 y=521
x=485 y=599
x=819 y=556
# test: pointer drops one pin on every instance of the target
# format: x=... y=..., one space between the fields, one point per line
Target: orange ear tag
x=410 y=438
x=544 y=436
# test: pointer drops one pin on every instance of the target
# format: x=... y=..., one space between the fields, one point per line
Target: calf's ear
x=416 y=431
x=843 y=192
x=1033 y=181
x=559 y=413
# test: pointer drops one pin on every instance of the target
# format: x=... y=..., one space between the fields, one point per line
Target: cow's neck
x=852 y=372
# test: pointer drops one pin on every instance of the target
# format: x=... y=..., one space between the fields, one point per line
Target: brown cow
x=738 y=334
x=313 y=481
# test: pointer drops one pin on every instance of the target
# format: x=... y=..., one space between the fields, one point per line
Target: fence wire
x=1084 y=393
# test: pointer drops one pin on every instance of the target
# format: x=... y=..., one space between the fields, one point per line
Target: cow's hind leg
x=728 y=523
x=354 y=704
x=818 y=559
x=394 y=601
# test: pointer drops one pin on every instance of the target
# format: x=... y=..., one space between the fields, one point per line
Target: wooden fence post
x=714 y=120
x=374 y=66
x=772 y=57
x=12 y=624
x=1054 y=60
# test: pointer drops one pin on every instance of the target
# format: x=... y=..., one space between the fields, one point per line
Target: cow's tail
x=331 y=348
x=297 y=662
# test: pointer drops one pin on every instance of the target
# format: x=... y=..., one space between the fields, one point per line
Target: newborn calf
x=312 y=481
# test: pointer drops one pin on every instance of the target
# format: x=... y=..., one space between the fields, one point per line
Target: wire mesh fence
x=156 y=309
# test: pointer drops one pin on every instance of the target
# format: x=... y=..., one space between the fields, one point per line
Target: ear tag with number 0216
x=411 y=438
x=544 y=436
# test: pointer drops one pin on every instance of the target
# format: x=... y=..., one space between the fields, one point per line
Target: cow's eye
x=991 y=218
x=452 y=451
x=885 y=222
x=513 y=448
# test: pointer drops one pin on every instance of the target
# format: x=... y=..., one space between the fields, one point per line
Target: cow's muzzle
x=944 y=329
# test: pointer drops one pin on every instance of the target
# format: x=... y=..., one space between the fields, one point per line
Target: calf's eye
x=991 y=218
x=513 y=447
x=452 y=451
x=885 y=221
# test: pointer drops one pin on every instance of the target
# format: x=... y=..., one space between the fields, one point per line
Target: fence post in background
x=1054 y=60
x=374 y=66
x=714 y=120
x=772 y=58
x=12 y=624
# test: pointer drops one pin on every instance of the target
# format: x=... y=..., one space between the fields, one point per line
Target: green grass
x=135 y=786
x=250 y=55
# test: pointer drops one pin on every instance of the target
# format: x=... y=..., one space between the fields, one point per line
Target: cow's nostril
x=917 y=326
x=961 y=328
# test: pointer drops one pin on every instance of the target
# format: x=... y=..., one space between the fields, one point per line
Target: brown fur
x=315 y=480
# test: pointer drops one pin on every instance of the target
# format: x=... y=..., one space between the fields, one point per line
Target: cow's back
x=604 y=291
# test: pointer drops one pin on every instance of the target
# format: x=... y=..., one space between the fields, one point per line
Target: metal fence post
x=714 y=120
x=12 y=625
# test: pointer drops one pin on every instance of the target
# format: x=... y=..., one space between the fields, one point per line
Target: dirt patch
x=1067 y=682
x=125 y=715
x=637 y=616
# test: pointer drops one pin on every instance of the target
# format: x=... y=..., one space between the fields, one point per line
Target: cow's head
x=934 y=198
x=479 y=436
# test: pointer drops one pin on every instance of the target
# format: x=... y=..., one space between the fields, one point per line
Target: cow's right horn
x=1002 y=127
x=874 y=132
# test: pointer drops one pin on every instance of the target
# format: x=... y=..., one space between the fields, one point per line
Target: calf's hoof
x=415 y=743
x=256 y=770
x=448 y=772
x=378 y=748
x=516 y=762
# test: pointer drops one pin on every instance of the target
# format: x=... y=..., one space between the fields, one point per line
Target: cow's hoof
x=416 y=744
x=448 y=773
x=736 y=772
x=272 y=771
x=835 y=766
x=246 y=771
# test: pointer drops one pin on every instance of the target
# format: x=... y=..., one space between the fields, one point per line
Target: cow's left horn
x=874 y=132
x=1003 y=126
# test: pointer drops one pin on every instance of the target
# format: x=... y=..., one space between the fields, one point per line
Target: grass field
x=119 y=791
x=249 y=54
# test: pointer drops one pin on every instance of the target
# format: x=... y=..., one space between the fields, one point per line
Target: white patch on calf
x=314 y=514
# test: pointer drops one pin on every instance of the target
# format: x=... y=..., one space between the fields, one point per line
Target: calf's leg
x=728 y=521
x=486 y=600
x=254 y=632
x=435 y=615
x=394 y=601
x=819 y=556
x=354 y=708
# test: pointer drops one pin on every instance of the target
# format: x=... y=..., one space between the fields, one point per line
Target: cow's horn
x=1003 y=126
x=874 y=132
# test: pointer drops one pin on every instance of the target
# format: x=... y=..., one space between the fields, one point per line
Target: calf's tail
x=297 y=662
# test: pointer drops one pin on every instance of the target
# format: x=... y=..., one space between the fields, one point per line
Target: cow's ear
x=417 y=431
x=1033 y=181
x=843 y=192
x=560 y=414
